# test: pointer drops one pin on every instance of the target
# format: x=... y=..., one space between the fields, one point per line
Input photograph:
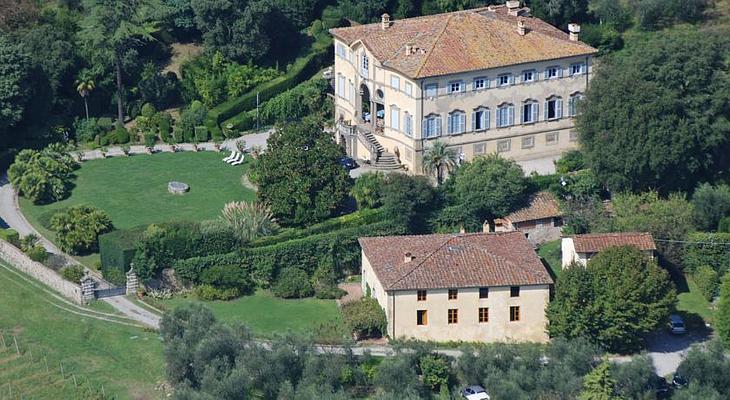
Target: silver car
x=474 y=392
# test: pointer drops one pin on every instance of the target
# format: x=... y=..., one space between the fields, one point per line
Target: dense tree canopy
x=43 y=175
x=78 y=228
x=620 y=296
x=656 y=116
x=300 y=176
x=15 y=76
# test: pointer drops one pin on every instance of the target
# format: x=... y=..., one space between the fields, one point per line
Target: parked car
x=663 y=390
x=676 y=325
x=678 y=381
x=474 y=392
x=348 y=163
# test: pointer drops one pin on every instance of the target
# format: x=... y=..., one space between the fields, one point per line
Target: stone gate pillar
x=131 y=281
x=87 y=288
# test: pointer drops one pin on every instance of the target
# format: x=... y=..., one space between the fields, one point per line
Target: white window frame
x=341 y=86
x=480 y=116
x=409 y=89
x=553 y=72
x=431 y=126
x=581 y=66
x=395 y=117
x=408 y=123
x=431 y=90
x=484 y=83
x=529 y=71
x=395 y=82
x=456 y=122
x=505 y=115
x=533 y=113
x=456 y=87
x=557 y=108
x=505 y=80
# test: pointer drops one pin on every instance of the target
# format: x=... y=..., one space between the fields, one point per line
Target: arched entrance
x=364 y=103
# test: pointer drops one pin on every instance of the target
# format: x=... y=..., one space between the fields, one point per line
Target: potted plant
x=174 y=148
x=79 y=155
x=104 y=150
x=241 y=145
x=256 y=151
x=126 y=149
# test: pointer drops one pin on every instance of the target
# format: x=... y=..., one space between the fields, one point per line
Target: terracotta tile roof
x=595 y=242
x=542 y=205
x=454 y=261
x=462 y=41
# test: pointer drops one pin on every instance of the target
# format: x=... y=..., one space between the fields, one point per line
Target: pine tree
x=599 y=385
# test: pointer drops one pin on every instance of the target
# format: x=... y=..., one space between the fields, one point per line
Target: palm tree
x=439 y=158
x=85 y=87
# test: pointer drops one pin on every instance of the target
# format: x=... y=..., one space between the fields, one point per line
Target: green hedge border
x=234 y=111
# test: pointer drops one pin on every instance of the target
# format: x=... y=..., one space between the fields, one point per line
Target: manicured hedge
x=302 y=69
x=265 y=262
x=117 y=248
x=707 y=249
x=358 y=218
x=10 y=236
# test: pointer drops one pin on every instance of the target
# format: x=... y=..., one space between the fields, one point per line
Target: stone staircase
x=387 y=161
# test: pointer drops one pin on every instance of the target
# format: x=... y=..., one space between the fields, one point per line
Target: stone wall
x=40 y=272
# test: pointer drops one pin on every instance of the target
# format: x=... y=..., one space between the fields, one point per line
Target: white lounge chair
x=233 y=155
x=239 y=156
x=240 y=161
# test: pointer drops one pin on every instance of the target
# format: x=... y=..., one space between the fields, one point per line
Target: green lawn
x=127 y=361
x=693 y=304
x=267 y=315
x=550 y=252
x=133 y=190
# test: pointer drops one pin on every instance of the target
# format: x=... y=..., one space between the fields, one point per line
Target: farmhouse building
x=479 y=287
x=580 y=248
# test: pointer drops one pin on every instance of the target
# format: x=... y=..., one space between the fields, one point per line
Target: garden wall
x=40 y=272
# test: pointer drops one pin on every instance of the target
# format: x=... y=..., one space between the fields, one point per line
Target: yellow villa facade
x=485 y=287
x=486 y=80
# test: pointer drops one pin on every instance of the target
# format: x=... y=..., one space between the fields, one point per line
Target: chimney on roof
x=408 y=257
x=384 y=21
x=574 y=30
x=513 y=7
x=409 y=49
x=486 y=228
x=521 y=27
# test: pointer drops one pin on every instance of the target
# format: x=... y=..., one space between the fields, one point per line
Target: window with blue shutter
x=456 y=122
x=553 y=108
x=431 y=90
x=505 y=115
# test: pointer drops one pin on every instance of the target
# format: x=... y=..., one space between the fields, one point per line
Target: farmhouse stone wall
x=40 y=272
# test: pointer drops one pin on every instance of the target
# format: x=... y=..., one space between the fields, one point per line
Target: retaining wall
x=40 y=272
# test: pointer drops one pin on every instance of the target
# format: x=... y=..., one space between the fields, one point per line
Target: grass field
x=126 y=360
x=550 y=252
x=692 y=302
x=267 y=315
x=133 y=190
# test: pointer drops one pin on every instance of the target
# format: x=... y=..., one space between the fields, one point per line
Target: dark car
x=663 y=390
x=348 y=163
x=678 y=381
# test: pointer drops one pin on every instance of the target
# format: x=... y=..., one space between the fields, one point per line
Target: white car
x=474 y=392
x=676 y=325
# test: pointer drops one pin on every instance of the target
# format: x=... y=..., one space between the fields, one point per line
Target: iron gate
x=115 y=291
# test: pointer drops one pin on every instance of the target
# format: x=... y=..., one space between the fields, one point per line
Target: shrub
x=11 y=236
x=29 y=241
x=86 y=130
x=293 y=283
x=707 y=280
x=210 y=293
x=367 y=189
x=201 y=134
x=149 y=140
x=78 y=229
x=44 y=218
x=724 y=225
x=121 y=135
x=248 y=221
x=711 y=204
x=707 y=249
x=365 y=317
x=117 y=248
x=73 y=273
x=43 y=175
x=435 y=370
x=115 y=276
x=165 y=126
x=228 y=277
x=37 y=253
x=177 y=134
x=190 y=118
x=570 y=161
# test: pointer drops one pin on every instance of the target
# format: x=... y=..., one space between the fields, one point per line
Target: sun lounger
x=233 y=155
x=238 y=157
x=240 y=161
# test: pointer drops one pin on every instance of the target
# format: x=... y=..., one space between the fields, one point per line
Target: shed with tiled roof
x=580 y=248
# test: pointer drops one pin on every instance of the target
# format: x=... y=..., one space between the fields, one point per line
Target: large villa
x=492 y=79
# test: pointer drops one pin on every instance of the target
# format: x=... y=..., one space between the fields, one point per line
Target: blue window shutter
x=437 y=121
x=534 y=112
x=462 y=117
x=511 y=79
x=424 y=127
x=474 y=120
x=511 y=115
x=546 y=110
x=485 y=114
x=560 y=72
x=559 y=108
x=546 y=75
